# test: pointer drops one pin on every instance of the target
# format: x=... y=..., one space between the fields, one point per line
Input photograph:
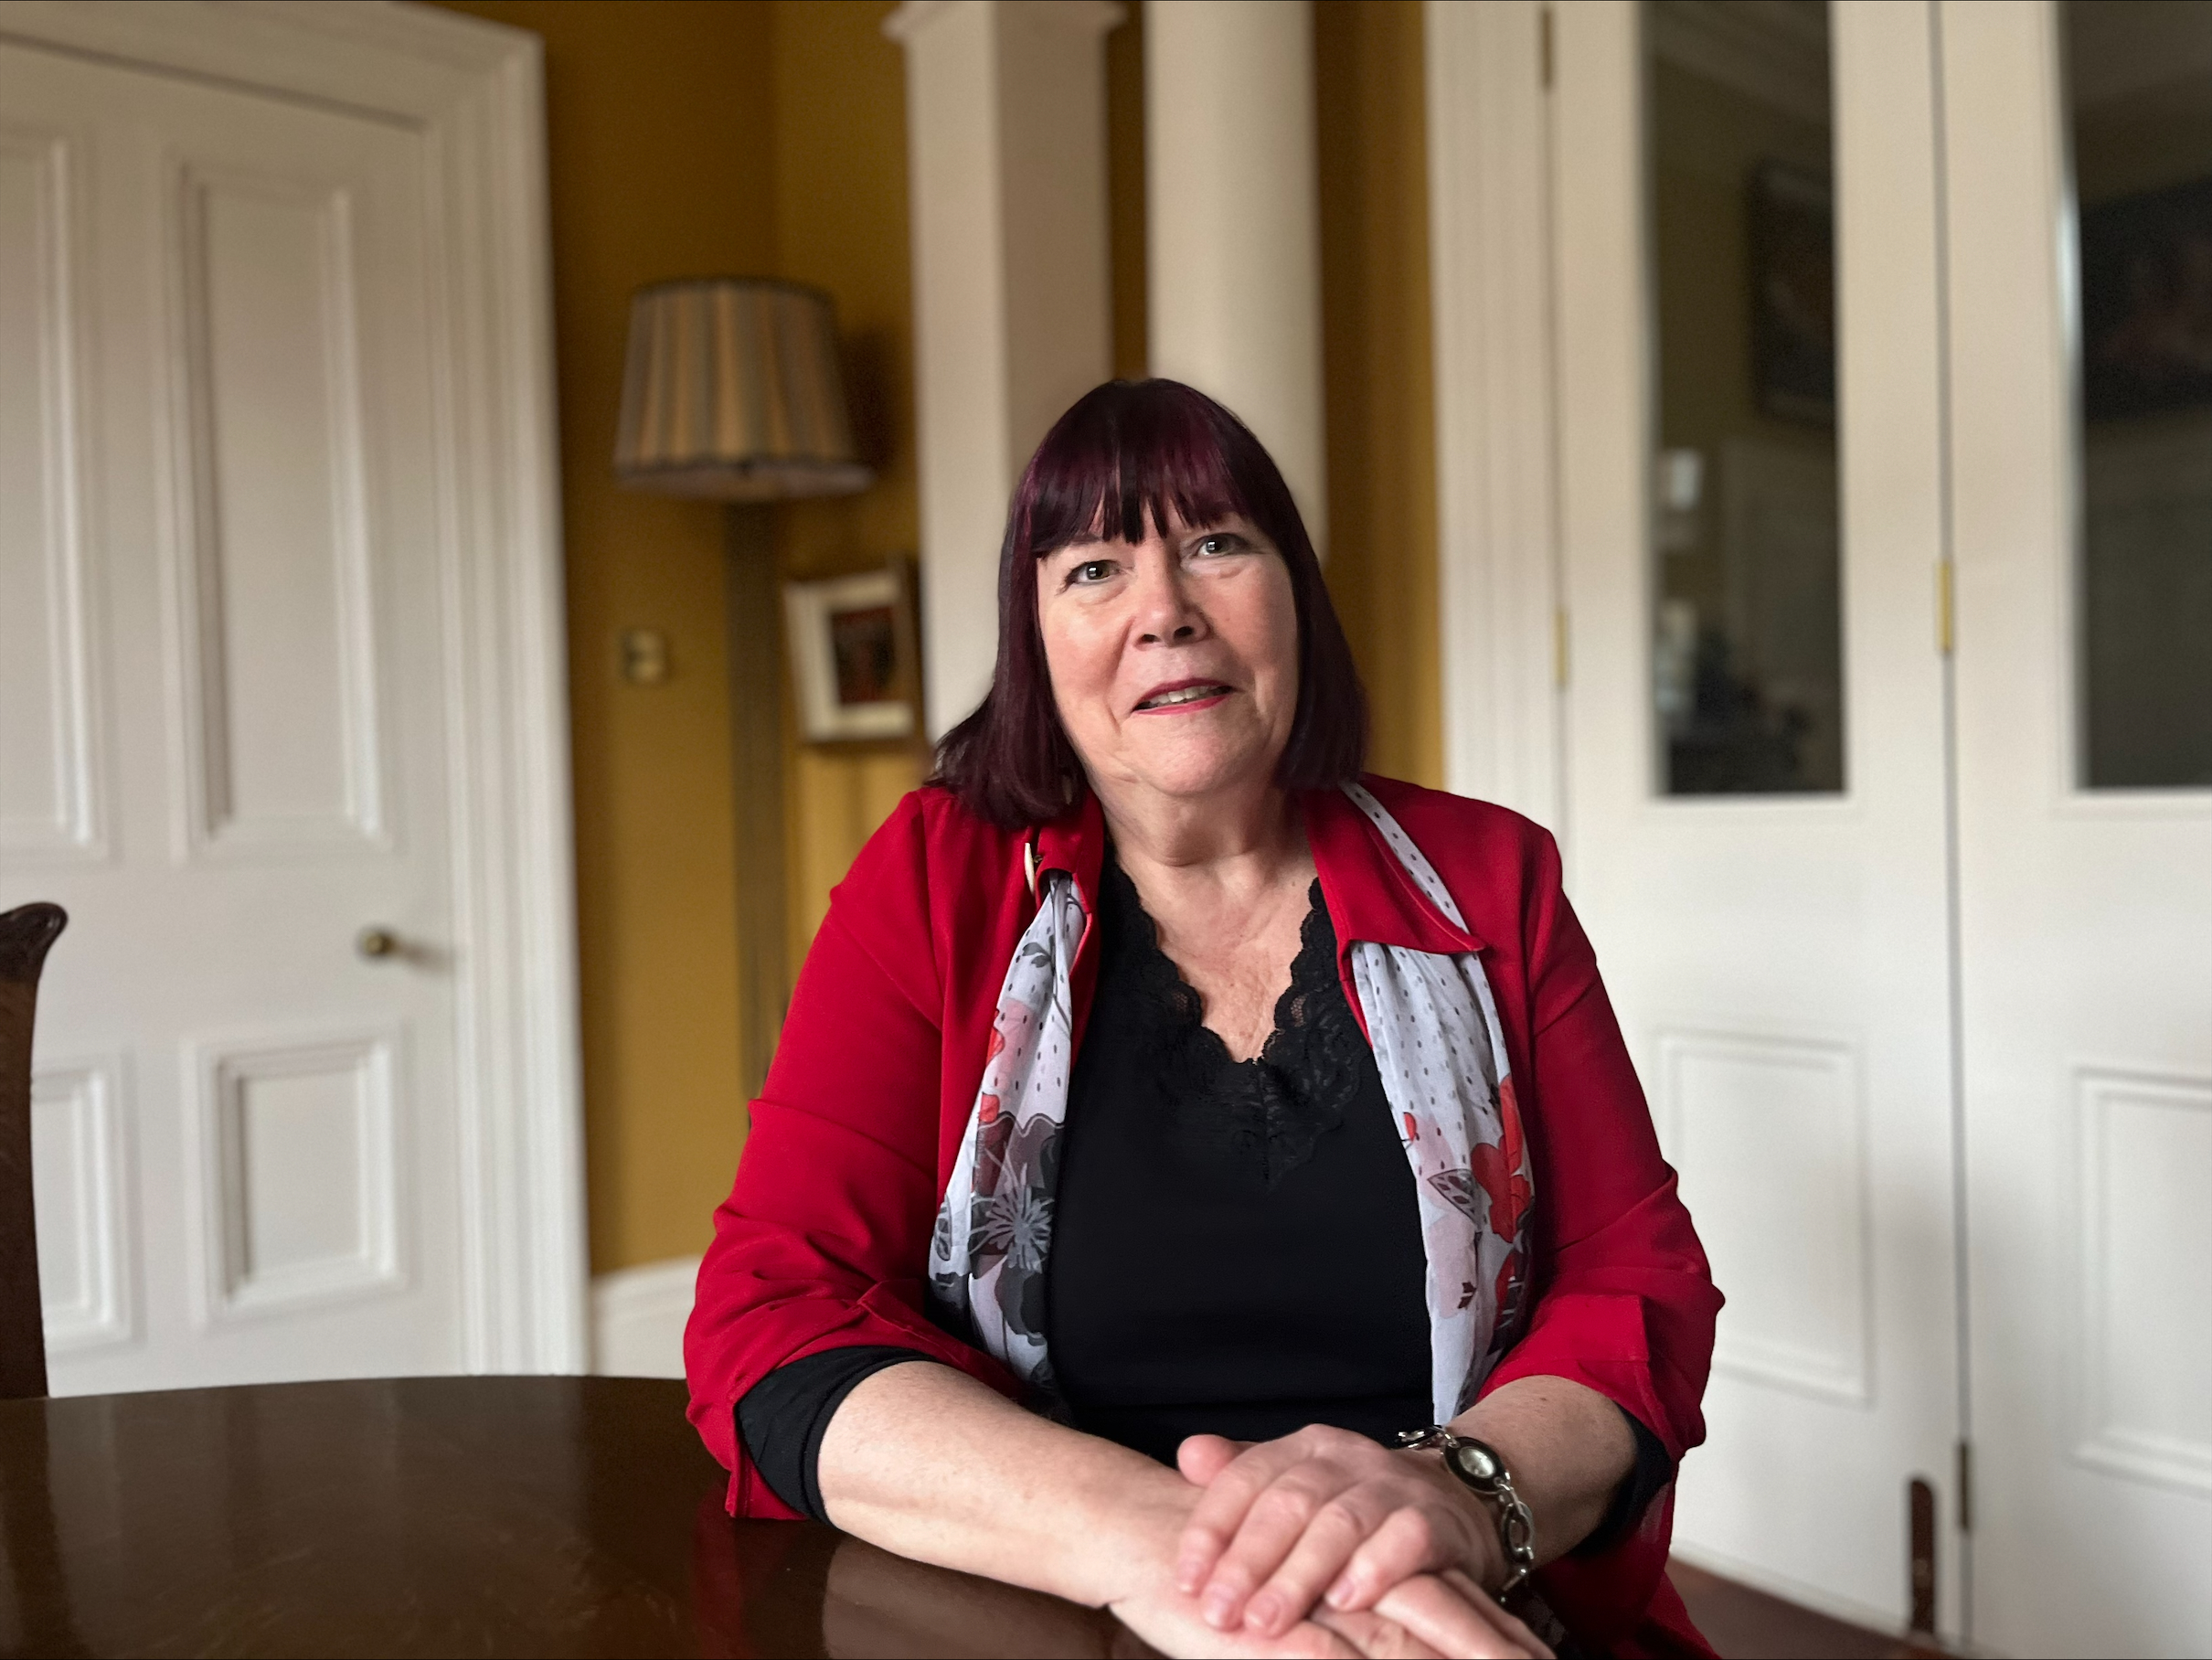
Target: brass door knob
x=374 y=942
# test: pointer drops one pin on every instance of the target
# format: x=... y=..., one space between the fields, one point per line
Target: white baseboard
x=637 y=1319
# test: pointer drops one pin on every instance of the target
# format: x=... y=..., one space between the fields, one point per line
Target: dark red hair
x=1129 y=451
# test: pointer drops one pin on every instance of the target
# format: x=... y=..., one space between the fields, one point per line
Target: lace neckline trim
x=1273 y=1108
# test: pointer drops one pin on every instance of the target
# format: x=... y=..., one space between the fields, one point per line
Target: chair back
x=25 y=935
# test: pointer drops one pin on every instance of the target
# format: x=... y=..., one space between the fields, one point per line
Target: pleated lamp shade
x=732 y=392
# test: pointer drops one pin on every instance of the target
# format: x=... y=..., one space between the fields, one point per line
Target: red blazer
x=824 y=1240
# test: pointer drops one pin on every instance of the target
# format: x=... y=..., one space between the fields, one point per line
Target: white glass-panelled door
x=1750 y=530
x=1883 y=340
x=2079 y=185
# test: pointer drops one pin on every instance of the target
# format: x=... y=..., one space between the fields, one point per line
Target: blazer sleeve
x=824 y=1240
x=1624 y=1299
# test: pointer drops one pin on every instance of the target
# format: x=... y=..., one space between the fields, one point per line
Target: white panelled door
x=2085 y=820
x=1909 y=913
x=1755 y=784
x=222 y=741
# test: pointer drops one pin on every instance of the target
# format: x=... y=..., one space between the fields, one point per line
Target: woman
x=1166 y=1119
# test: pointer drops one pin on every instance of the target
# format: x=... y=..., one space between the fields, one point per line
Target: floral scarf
x=1438 y=1046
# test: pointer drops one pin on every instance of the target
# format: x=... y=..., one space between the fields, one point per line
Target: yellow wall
x=840 y=223
x=690 y=138
x=659 y=143
x=1369 y=115
x=1125 y=192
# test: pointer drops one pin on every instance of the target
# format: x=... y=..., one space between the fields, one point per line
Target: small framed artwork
x=853 y=656
x=1792 y=252
x=2146 y=302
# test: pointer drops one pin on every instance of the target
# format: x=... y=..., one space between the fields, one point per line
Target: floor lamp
x=732 y=392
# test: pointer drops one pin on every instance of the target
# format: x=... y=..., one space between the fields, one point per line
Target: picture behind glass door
x=1747 y=649
x=2140 y=74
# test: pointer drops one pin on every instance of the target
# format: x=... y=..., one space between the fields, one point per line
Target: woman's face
x=1174 y=659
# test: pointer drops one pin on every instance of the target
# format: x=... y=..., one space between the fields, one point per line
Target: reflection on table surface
x=493 y=1515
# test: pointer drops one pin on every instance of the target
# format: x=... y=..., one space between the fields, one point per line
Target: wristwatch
x=1479 y=1468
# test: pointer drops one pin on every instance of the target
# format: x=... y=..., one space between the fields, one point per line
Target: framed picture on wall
x=853 y=656
x=1791 y=213
x=2146 y=302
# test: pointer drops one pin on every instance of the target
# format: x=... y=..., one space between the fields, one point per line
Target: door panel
x=280 y=729
x=49 y=765
x=2085 y=824
x=1761 y=861
x=227 y=756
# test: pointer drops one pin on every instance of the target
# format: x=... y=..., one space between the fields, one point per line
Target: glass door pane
x=2140 y=98
x=1747 y=646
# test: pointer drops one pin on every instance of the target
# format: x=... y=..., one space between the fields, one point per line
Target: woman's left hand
x=1446 y=1615
x=1322 y=1516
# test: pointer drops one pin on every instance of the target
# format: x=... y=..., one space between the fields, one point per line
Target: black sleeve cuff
x=1651 y=1472
x=782 y=1417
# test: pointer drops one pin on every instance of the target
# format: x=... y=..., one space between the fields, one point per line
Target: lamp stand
x=754 y=607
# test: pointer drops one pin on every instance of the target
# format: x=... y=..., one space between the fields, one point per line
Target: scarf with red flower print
x=1433 y=1025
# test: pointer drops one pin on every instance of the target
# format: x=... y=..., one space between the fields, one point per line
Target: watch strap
x=1482 y=1469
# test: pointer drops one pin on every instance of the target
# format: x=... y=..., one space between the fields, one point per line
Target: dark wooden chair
x=25 y=935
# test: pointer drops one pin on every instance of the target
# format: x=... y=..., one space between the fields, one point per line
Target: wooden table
x=445 y=1516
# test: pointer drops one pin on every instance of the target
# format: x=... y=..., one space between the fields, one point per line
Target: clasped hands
x=1325 y=1543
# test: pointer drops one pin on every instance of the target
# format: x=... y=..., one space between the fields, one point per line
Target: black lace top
x=1256 y=1121
x=1237 y=1245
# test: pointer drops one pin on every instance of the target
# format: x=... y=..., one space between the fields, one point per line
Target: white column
x=1013 y=300
x=1489 y=241
x=1232 y=221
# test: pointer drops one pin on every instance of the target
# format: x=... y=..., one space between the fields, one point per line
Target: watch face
x=1476 y=1462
